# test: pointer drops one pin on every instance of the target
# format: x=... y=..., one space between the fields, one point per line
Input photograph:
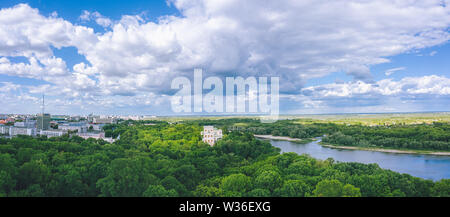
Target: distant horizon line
x=237 y=115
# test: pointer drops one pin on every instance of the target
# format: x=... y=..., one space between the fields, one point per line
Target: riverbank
x=284 y=138
x=426 y=166
x=395 y=151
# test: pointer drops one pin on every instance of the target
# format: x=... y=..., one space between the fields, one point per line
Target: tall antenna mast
x=43 y=102
x=43 y=106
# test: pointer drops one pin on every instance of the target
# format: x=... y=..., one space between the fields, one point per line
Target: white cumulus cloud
x=296 y=40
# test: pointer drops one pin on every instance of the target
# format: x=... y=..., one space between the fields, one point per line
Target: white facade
x=4 y=129
x=106 y=120
x=14 y=131
x=95 y=136
x=51 y=133
x=211 y=134
x=26 y=124
x=80 y=129
x=92 y=135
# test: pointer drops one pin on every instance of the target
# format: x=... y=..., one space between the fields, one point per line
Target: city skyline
x=381 y=57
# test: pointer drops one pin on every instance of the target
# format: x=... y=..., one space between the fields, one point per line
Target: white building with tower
x=211 y=134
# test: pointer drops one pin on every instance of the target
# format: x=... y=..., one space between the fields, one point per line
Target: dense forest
x=434 y=136
x=171 y=160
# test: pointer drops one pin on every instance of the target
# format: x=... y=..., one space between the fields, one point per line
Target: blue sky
x=71 y=10
x=119 y=57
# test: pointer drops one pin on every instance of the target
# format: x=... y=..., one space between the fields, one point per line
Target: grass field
x=352 y=119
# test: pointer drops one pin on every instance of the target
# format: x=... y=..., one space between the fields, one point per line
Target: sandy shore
x=387 y=150
x=285 y=138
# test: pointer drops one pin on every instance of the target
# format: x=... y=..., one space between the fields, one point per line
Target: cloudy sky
x=119 y=57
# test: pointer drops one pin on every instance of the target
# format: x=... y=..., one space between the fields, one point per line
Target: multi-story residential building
x=211 y=134
x=43 y=121
x=4 y=130
x=106 y=120
x=27 y=124
x=14 y=131
x=80 y=127
x=100 y=135
x=51 y=133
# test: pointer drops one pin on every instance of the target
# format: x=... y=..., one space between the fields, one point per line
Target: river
x=419 y=165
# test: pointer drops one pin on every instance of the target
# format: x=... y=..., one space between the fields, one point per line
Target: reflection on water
x=424 y=166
